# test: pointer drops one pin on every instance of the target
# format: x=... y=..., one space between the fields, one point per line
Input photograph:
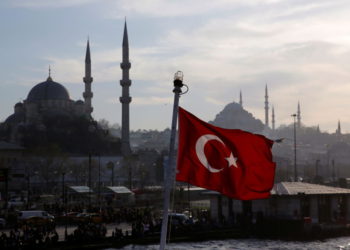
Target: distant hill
x=233 y=116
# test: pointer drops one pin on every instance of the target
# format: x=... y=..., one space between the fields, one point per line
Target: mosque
x=51 y=100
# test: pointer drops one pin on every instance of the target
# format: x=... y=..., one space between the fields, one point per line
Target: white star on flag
x=232 y=161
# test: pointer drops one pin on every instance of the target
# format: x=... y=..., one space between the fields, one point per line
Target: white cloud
x=214 y=101
x=161 y=8
x=39 y=4
x=301 y=49
x=152 y=100
x=67 y=70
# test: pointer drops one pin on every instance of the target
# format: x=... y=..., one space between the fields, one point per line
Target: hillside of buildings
x=71 y=134
x=320 y=155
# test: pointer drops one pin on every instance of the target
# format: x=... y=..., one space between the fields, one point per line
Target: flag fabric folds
x=233 y=162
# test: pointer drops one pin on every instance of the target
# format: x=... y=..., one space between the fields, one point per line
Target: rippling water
x=252 y=244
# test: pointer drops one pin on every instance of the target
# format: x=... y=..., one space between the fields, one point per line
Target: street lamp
x=89 y=180
x=333 y=170
x=178 y=84
x=28 y=192
x=64 y=201
x=56 y=184
x=65 y=205
x=130 y=174
x=110 y=165
x=295 y=148
x=99 y=181
x=63 y=193
x=91 y=129
x=316 y=175
x=29 y=187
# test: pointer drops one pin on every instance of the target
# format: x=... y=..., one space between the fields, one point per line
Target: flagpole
x=169 y=177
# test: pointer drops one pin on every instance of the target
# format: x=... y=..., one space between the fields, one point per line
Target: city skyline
x=300 y=50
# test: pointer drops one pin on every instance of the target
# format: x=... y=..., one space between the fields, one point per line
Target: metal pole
x=295 y=149
x=189 y=198
x=130 y=174
x=28 y=192
x=65 y=206
x=99 y=181
x=170 y=176
x=112 y=175
x=333 y=172
x=63 y=187
x=6 y=171
x=316 y=175
x=89 y=181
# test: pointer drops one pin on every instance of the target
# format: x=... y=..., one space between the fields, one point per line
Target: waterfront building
x=289 y=201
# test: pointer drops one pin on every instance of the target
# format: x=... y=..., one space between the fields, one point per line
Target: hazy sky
x=300 y=49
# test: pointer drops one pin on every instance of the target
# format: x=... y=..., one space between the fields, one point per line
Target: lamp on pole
x=91 y=129
x=99 y=181
x=63 y=174
x=178 y=84
x=295 y=148
x=28 y=192
x=89 y=180
x=65 y=205
x=110 y=165
x=333 y=170
x=64 y=201
x=316 y=174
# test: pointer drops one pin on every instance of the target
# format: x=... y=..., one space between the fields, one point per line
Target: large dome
x=233 y=116
x=48 y=90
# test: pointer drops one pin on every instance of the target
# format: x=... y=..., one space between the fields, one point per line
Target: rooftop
x=81 y=189
x=119 y=189
x=294 y=188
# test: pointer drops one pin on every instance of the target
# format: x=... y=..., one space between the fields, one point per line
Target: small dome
x=15 y=118
x=18 y=105
x=79 y=102
x=48 y=90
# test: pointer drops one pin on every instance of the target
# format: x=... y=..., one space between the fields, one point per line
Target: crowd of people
x=86 y=232
x=28 y=237
x=143 y=222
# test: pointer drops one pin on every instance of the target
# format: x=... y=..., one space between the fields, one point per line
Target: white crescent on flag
x=200 y=144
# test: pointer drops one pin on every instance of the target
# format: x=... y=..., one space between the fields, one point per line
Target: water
x=341 y=243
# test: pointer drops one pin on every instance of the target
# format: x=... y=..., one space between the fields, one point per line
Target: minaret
x=125 y=99
x=88 y=80
x=338 y=132
x=273 y=118
x=298 y=116
x=266 y=108
x=240 y=98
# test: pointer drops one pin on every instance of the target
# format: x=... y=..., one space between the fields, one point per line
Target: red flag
x=233 y=162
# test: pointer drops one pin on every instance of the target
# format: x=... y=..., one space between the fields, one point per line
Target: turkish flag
x=233 y=162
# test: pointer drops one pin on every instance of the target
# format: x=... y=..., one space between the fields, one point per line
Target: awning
x=81 y=189
x=120 y=190
x=297 y=188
